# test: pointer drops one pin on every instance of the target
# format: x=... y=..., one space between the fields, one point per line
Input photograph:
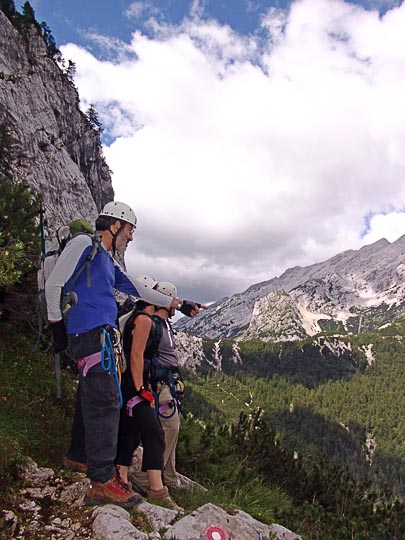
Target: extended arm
x=129 y=285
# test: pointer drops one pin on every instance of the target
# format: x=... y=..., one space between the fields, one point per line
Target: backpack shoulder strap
x=96 y=247
x=157 y=330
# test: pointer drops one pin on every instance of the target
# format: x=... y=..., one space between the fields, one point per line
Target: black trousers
x=143 y=426
x=96 y=420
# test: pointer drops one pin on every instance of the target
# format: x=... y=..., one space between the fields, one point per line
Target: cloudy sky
x=249 y=136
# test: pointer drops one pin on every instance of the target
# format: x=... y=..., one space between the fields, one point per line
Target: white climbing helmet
x=146 y=281
x=167 y=288
x=120 y=211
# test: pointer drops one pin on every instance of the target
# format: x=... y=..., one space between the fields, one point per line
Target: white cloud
x=390 y=226
x=245 y=156
x=138 y=10
x=135 y=10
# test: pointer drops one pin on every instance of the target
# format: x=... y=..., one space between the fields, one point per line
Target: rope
x=108 y=362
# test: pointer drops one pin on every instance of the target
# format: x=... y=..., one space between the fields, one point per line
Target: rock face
x=351 y=292
x=54 y=147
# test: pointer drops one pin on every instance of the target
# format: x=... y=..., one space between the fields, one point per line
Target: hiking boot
x=75 y=465
x=125 y=485
x=161 y=496
x=111 y=492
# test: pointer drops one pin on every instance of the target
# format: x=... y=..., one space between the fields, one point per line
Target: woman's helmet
x=167 y=288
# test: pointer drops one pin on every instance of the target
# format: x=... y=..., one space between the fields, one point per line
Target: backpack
x=52 y=248
x=126 y=325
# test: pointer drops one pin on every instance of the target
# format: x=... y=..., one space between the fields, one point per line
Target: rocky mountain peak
x=354 y=289
x=54 y=146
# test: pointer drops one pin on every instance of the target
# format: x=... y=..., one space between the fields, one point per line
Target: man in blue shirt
x=90 y=325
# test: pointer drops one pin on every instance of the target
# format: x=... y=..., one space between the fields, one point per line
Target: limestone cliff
x=54 y=147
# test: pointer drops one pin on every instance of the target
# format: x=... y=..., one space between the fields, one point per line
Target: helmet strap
x=115 y=235
x=170 y=311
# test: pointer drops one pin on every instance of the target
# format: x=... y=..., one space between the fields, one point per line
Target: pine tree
x=50 y=42
x=71 y=71
x=28 y=13
x=19 y=244
x=7 y=7
x=93 y=118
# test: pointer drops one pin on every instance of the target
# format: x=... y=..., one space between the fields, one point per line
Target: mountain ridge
x=351 y=289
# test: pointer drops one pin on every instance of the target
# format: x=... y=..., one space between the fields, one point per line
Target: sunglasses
x=130 y=229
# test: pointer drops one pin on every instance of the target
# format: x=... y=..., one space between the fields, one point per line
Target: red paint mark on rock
x=216 y=532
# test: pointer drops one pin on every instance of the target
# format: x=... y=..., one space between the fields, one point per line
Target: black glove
x=59 y=336
x=187 y=307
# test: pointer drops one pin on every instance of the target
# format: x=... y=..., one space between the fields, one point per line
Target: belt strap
x=166 y=406
x=131 y=404
x=88 y=362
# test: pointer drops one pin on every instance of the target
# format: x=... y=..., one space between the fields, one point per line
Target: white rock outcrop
x=214 y=523
x=68 y=519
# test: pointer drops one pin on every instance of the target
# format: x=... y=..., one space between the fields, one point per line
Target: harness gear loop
x=159 y=409
x=109 y=361
x=117 y=346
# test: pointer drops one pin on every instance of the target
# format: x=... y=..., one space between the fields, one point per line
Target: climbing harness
x=159 y=410
x=131 y=404
x=86 y=363
x=172 y=378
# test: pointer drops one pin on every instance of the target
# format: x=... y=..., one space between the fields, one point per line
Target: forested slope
x=337 y=397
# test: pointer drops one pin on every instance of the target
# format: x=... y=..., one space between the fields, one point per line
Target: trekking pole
x=40 y=260
x=58 y=376
x=42 y=226
x=43 y=252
